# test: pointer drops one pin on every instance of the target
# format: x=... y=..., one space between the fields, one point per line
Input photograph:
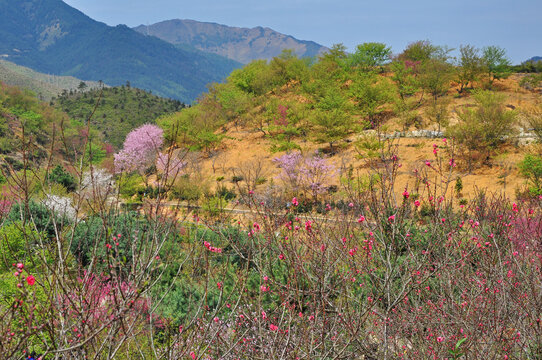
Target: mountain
x=535 y=59
x=50 y=36
x=44 y=85
x=240 y=44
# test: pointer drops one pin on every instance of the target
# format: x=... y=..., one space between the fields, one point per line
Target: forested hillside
x=114 y=112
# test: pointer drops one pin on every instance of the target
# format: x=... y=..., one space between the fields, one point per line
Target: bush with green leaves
x=531 y=168
x=59 y=175
x=485 y=126
x=37 y=215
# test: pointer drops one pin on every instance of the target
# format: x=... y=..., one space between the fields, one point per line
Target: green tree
x=331 y=120
x=496 y=63
x=371 y=93
x=469 y=66
x=486 y=126
x=371 y=55
x=531 y=168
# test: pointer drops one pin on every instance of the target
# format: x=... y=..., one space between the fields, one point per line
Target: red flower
x=30 y=280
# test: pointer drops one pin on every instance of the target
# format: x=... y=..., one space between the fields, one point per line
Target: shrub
x=531 y=168
x=60 y=176
x=486 y=126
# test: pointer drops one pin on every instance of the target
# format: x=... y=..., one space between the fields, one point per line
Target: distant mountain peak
x=237 y=43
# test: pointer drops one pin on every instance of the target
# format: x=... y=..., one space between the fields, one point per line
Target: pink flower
x=440 y=339
x=30 y=280
x=273 y=327
x=215 y=319
x=417 y=203
x=20 y=266
x=295 y=202
x=428 y=163
x=281 y=256
x=264 y=288
x=219 y=285
x=406 y=194
x=391 y=218
x=192 y=355
x=361 y=219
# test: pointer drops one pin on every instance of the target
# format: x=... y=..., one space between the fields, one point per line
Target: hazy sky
x=514 y=25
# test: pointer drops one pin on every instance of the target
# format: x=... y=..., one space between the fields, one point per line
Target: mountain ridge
x=237 y=43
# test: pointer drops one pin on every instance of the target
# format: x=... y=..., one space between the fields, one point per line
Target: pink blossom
x=391 y=218
x=417 y=203
x=440 y=339
x=295 y=202
x=273 y=327
x=140 y=148
x=30 y=280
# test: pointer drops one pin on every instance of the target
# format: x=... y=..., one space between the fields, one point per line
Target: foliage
x=371 y=94
x=485 y=126
x=115 y=111
x=496 y=63
x=470 y=66
x=331 y=121
x=42 y=219
x=59 y=175
x=370 y=55
x=531 y=168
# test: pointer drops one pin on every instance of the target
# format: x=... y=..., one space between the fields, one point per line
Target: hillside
x=45 y=86
x=120 y=110
x=240 y=44
x=52 y=37
x=356 y=115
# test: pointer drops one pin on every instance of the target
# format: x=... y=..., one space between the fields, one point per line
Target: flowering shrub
x=140 y=149
x=309 y=174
